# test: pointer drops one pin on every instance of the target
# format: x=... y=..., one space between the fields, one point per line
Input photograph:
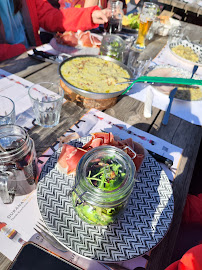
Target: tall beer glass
x=147 y=16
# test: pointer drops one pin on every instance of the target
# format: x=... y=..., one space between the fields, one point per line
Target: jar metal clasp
x=134 y=153
x=79 y=199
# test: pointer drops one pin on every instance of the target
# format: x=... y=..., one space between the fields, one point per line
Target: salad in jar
x=103 y=184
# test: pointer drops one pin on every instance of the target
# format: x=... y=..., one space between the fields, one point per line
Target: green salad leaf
x=132 y=20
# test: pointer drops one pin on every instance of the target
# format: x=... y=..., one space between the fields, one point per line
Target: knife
x=48 y=57
x=171 y=97
x=168 y=162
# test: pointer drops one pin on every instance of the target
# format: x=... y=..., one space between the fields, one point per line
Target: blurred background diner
x=20 y=22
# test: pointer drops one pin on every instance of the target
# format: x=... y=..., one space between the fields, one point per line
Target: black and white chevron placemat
x=142 y=226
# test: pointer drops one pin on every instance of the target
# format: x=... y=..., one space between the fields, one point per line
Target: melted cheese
x=94 y=74
x=186 y=52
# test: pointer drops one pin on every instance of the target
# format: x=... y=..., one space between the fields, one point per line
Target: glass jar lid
x=105 y=176
x=15 y=140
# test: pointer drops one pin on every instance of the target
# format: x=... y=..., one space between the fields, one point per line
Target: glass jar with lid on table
x=103 y=184
x=112 y=46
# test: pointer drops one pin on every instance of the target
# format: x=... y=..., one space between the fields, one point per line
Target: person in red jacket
x=191 y=260
x=20 y=22
x=190 y=236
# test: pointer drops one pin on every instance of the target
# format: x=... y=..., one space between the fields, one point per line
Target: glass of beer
x=147 y=16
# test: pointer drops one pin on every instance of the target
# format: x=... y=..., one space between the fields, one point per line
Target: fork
x=43 y=231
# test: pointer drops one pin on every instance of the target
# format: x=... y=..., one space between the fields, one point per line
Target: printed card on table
x=95 y=121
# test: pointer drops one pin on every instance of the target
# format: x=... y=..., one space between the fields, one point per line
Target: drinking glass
x=147 y=16
x=114 y=24
x=7 y=111
x=47 y=99
x=138 y=67
x=176 y=34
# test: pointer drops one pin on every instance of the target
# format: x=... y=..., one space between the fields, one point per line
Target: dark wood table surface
x=178 y=132
x=192 y=7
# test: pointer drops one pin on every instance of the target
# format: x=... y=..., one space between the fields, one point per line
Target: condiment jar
x=103 y=184
x=112 y=46
x=18 y=163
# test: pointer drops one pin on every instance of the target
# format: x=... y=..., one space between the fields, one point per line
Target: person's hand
x=101 y=16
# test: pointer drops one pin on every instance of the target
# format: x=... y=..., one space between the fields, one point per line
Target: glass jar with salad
x=105 y=178
x=112 y=46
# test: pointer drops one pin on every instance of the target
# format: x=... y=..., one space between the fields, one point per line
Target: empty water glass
x=138 y=67
x=47 y=99
x=7 y=111
x=176 y=34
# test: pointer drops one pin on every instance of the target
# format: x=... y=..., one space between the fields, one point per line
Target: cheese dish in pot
x=94 y=74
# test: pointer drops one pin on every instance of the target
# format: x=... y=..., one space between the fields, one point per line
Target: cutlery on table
x=171 y=97
x=168 y=162
x=43 y=231
x=48 y=57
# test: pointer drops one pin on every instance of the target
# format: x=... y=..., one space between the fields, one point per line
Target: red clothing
x=193 y=209
x=191 y=260
x=39 y=13
x=192 y=214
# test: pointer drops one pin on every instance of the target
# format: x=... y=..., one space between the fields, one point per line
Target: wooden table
x=178 y=132
x=192 y=7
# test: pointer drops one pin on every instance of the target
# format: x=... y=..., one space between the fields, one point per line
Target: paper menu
x=20 y=218
x=96 y=121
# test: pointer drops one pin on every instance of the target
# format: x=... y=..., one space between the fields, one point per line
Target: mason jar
x=18 y=162
x=112 y=46
x=105 y=178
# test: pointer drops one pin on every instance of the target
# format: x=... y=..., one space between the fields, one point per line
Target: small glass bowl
x=112 y=46
x=103 y=184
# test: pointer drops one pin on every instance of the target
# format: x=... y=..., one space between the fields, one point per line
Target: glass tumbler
x=7 y=111
x=147 y=16
x=176 y=34
x=137 y=67
x=47 y=99
x=103 y=184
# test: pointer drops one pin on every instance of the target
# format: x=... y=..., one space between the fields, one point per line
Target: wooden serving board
x=99 y=104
